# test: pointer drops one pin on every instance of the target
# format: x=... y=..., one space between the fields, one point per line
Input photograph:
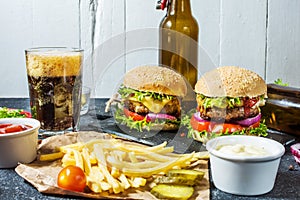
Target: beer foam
x=53 y=64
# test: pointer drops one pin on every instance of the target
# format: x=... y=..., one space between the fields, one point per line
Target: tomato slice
x=248 y=104
x=133 y=115
x=255 y=125
x=72 y=178
x=214 y=127
x=211 y=126
x=200 y=125
x=226 y=127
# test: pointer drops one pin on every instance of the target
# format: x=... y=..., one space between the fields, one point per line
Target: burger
x=228 y=102
x=151 y=99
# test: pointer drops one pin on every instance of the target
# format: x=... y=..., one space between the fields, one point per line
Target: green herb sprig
x=279 y=82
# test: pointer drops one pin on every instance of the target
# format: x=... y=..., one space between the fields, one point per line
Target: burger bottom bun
x=154 y=129
x=164 y=127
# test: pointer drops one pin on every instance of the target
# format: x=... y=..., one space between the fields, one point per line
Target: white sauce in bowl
x=242 y=150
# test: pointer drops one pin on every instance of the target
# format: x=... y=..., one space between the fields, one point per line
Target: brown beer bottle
x=178 y=39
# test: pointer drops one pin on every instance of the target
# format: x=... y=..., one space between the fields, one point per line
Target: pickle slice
x=174 y=180
x=176 y=192
x=190 y=174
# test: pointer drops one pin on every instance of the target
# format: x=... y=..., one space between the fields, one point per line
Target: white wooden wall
x=261 y=35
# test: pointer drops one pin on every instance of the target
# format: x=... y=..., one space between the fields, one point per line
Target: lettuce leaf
x=140 y=95
x=220 y=102
x=10 y=113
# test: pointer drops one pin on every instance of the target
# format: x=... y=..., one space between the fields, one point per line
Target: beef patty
x=171 y=108
x=219 y=114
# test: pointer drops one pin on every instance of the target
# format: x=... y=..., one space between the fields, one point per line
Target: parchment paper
x=43 y=175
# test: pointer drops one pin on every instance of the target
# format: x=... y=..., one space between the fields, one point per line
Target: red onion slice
x=295 y=149
x=198 y=118
x=153 y=116
x=249 y=121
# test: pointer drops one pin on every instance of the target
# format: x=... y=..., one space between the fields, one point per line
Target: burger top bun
x=231 y=81
x=156 y=79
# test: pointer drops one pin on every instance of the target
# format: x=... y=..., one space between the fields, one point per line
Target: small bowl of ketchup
x=18 y=141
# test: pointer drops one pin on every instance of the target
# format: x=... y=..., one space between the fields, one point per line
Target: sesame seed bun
x=231 y=81
x=156 y=79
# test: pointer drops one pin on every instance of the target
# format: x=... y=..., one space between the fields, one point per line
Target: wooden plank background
x=261 y=35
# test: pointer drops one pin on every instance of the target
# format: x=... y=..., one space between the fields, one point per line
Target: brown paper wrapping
x=43 y=175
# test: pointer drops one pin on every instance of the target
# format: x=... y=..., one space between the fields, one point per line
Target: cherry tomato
x=72 y=178
x=27 y=114
x=200 y=126
x=133 y=115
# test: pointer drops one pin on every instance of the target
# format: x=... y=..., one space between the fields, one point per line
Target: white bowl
x=20 y=146
x=244 y=175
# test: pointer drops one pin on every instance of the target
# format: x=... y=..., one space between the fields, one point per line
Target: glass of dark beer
x=55 y=81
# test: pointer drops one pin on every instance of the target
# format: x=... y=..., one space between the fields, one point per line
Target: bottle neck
x=179 y=6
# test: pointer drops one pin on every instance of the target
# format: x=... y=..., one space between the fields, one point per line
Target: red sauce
x=12 y=128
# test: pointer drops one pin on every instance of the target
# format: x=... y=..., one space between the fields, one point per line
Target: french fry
x=137 y=182
x=124 y=181
x=93 y=159
x=86 y=161
x=77 y=146
x=105 y=186
x=51 y=156
x=132 y=157
x=124 y=164
x=68 y=159
x=203 y=155
x=78 y=159
x=163 y=167
x=94 y=186
x=96 y=173
x=115 y=172
x=102 y=165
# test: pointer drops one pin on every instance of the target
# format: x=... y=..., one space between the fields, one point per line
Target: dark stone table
x=287 y=185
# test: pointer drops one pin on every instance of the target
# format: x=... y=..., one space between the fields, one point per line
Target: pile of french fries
x=114 y=165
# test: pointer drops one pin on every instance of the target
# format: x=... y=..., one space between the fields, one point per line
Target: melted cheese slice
x=154 y=106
